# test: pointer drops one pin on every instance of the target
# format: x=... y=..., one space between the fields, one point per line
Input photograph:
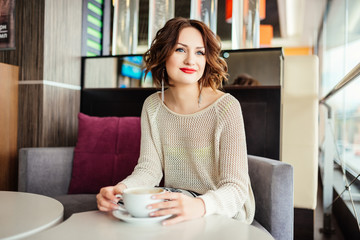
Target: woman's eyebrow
x=187 y=45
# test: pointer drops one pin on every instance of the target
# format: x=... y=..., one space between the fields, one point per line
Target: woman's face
x=187 y=62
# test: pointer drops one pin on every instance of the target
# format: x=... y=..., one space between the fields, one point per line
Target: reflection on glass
x=131 y=71
x=148 y=81
x=101 y=72
x=245 y=79
x=131 y=67
x=116 y=72
x=205 y=11
x=125 y=26
x=245 y=28
x=159 y=12
x=124 y=71
x=252 y=23
x=346 y=108
x=247 y=62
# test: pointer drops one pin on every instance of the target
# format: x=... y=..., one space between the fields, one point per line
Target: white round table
x=100 y=225
x=24 y=214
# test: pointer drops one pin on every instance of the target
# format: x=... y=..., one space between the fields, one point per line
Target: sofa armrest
x=45 y=171
x=272 y=184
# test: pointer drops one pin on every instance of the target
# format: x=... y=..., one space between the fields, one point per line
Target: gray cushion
x=74 y=203
x=272 y=184
x=45 y=171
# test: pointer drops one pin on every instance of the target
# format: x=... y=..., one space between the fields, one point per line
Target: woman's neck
x=183 y=99
x=186 y=100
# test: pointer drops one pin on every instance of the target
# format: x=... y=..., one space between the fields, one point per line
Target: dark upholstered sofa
x=48 y=171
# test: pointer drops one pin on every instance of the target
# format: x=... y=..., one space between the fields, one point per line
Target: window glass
x=339 y=47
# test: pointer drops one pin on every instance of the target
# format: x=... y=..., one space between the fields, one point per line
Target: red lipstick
x=188 y=70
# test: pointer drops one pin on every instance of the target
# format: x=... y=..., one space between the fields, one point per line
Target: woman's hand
x=107 y=200
x=177 y=204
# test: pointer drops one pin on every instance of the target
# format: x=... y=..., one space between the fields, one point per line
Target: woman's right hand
x=106 y=198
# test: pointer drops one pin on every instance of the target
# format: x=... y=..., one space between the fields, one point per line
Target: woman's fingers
x=165 y=212
x=106 y=199
x=168 y=208
x=169 y=201
x=105 y=204
x=108 y=193
x=167 y=196
x=180 y=206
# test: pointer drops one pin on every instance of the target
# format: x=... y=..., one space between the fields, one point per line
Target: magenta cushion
x=106 y=152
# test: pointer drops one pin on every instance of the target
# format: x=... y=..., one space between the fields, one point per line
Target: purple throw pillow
x=106 y=152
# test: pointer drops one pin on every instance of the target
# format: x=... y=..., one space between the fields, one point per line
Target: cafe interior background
x=56 y=48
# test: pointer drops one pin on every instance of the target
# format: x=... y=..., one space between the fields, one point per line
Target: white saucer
x=125 y=216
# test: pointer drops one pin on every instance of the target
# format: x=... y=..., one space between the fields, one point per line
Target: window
x=338 y=50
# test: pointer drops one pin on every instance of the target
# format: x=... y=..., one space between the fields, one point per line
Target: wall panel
x=29 y=42
x=62 y=37
x=48 y=53
x=30 y=112
x=61 y=106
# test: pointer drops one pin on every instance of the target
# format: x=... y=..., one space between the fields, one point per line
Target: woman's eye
x=179 y=50
x=200 y=53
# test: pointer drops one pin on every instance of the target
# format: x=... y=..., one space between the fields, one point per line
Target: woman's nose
x=190 y=59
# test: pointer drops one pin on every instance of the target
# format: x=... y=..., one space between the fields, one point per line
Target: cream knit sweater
x=204 y=152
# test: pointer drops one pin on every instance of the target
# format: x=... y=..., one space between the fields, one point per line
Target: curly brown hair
x=165 y=42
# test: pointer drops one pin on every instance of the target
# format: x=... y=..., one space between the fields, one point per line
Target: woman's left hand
x=181 y=206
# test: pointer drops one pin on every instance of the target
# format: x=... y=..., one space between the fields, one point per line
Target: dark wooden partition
x=260 y=107
x=261 y=112
x=118 y=102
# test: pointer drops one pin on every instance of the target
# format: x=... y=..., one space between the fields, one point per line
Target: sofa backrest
x=260 y=108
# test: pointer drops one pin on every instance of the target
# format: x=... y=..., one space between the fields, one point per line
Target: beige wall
x=299 y=133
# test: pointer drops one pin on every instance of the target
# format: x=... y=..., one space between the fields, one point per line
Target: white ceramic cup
x=136 y=200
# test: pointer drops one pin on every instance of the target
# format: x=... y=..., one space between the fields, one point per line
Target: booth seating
x=50 y=171
x=299 y=135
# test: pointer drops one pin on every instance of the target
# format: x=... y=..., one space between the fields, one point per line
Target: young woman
x=192 y=134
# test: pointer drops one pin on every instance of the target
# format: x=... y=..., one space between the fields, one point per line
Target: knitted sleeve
x=233 y=195
x=148 y=171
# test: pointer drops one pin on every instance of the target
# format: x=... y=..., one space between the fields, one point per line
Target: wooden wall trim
x=8 y=126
